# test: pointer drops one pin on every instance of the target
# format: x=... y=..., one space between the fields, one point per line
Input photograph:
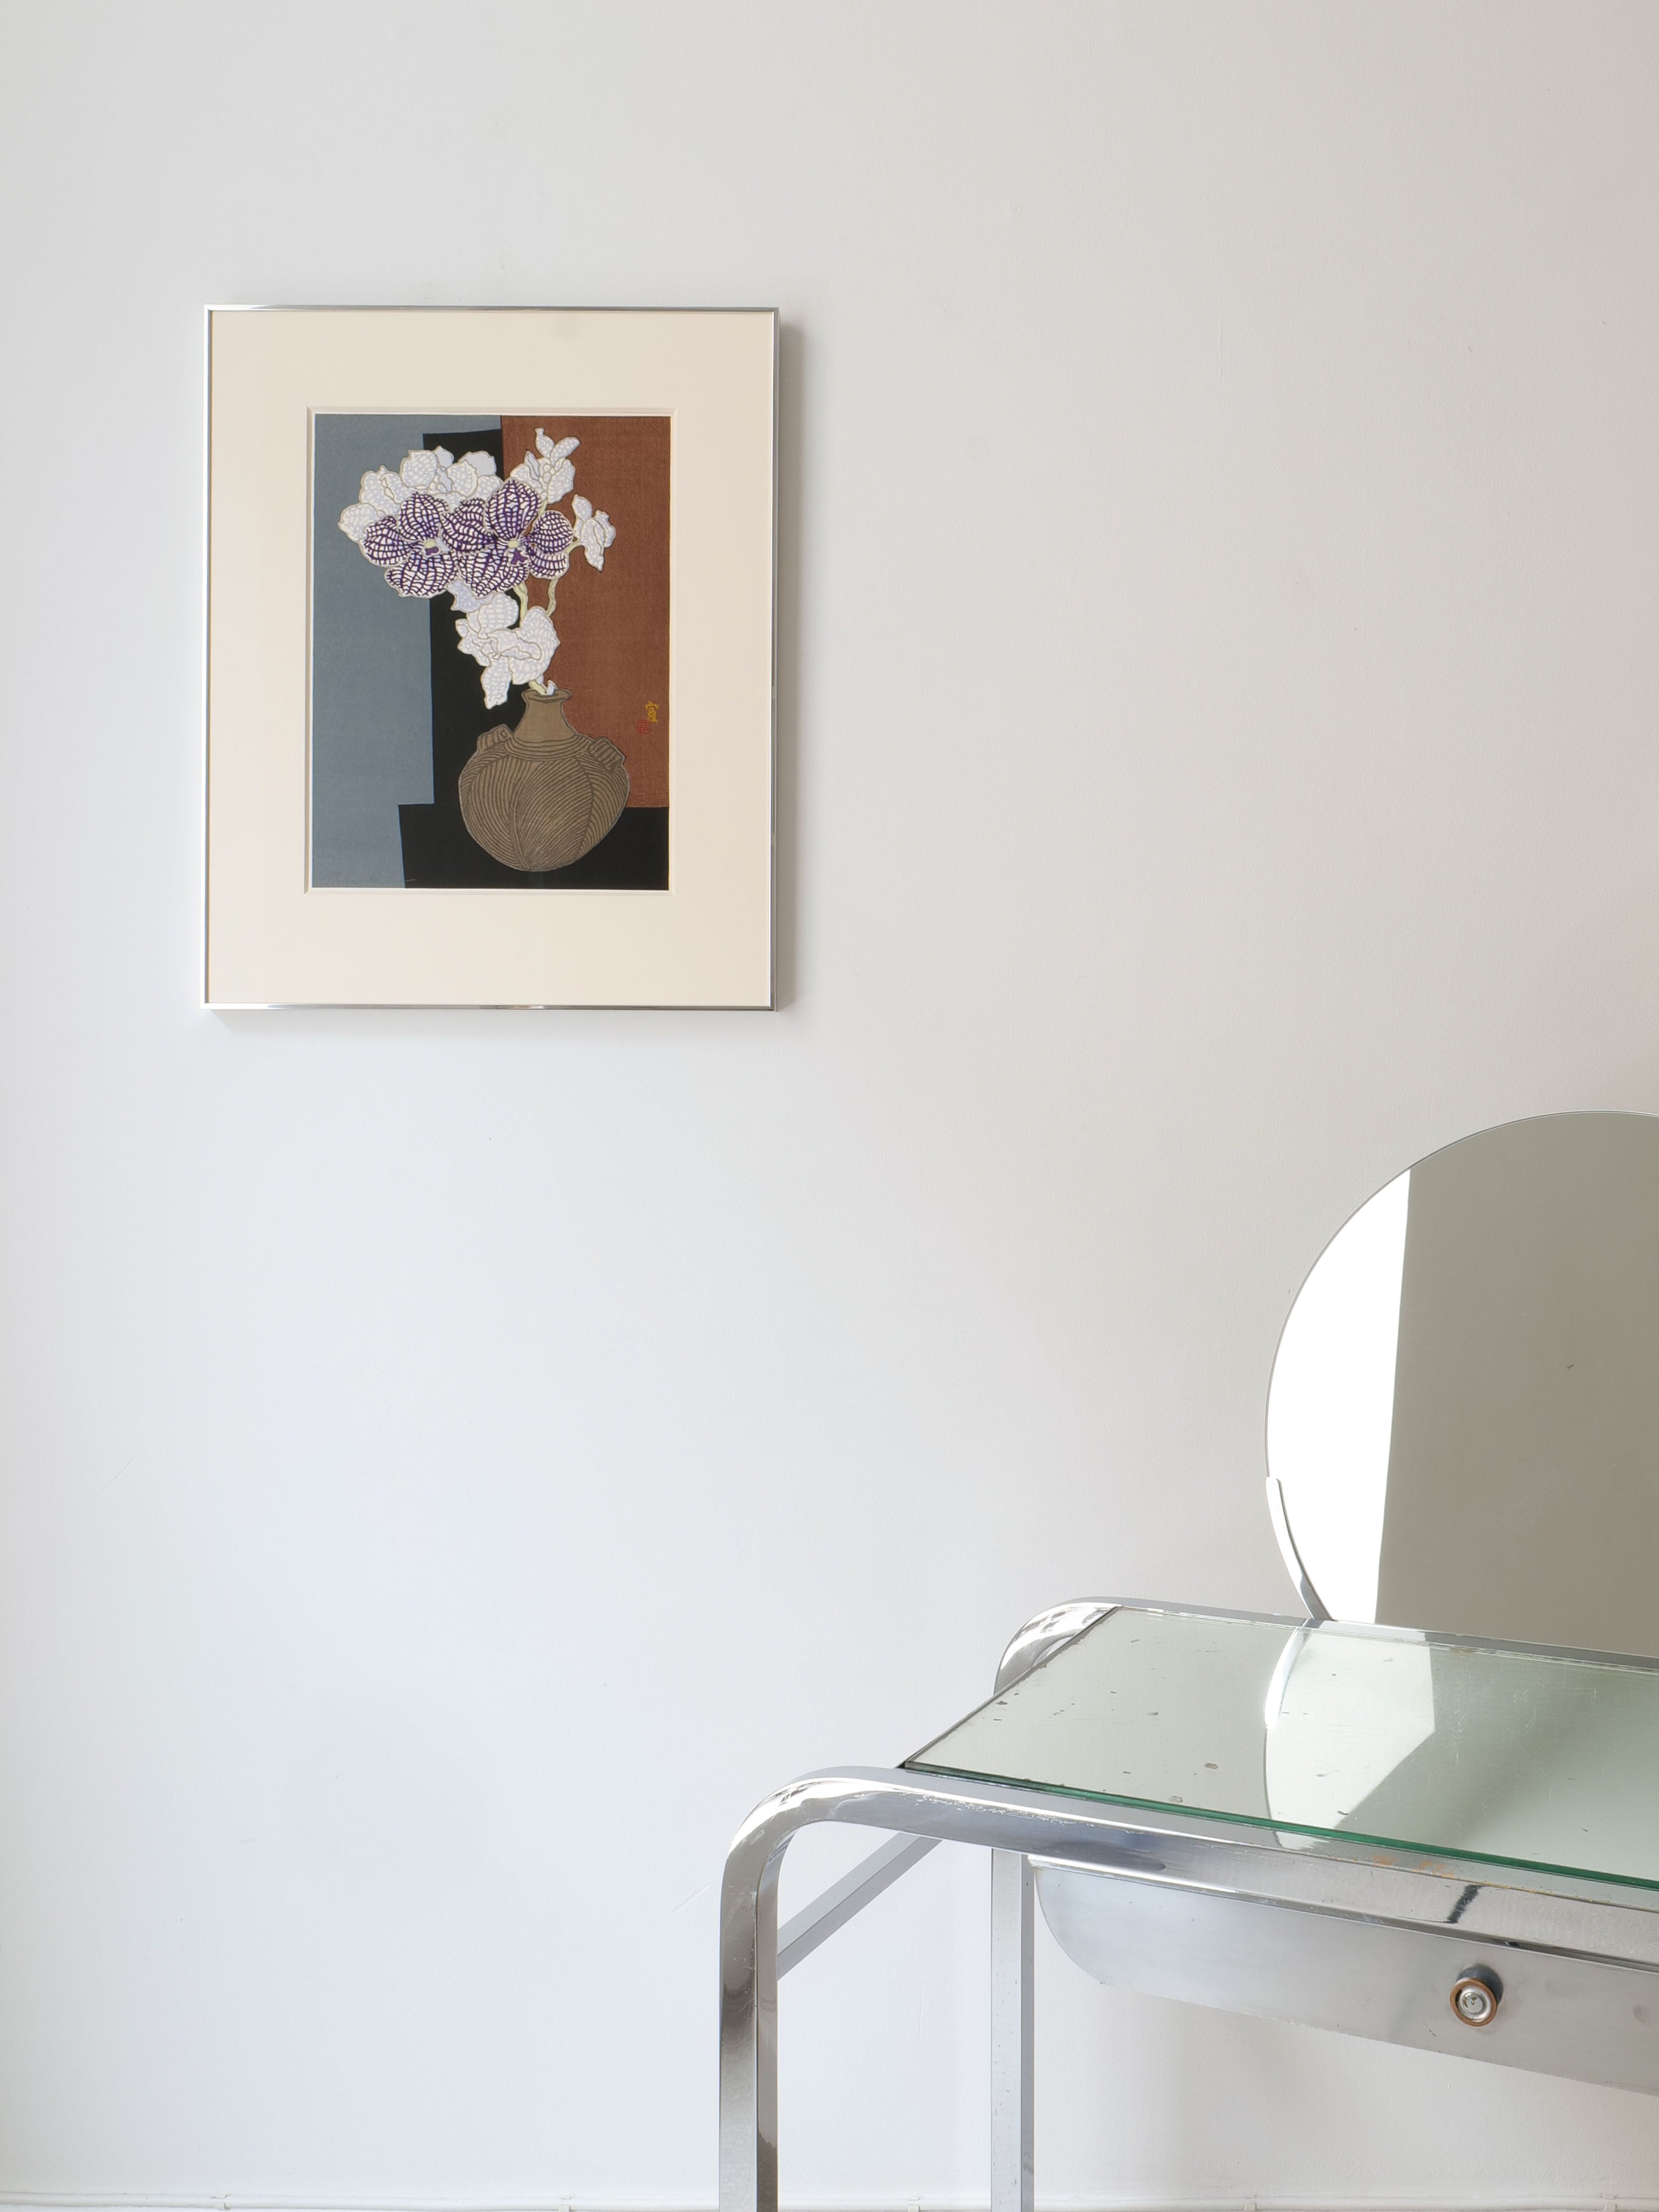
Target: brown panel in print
x=613 y=622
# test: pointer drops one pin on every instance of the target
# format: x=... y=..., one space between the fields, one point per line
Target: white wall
x=455 y=1463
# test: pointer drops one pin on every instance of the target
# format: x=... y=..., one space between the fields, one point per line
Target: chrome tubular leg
x=799 y=1938
x=1013 y=1932
x=748 y=2039
x=950 y=1809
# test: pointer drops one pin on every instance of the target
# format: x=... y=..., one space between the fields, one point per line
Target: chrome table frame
x=1341 y=1934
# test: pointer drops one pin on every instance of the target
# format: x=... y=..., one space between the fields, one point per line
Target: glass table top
x=1530 y=1757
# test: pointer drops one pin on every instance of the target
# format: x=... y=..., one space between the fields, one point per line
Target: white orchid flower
x=593 y=531
x=437 y=473
x=548 y=471
x=473 y=476
x=380 y=493
x=508 y=651
x=420 y=469
x=382 y=490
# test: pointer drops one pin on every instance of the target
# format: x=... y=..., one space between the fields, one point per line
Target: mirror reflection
x=1512 y=1754
x=1463 y=1417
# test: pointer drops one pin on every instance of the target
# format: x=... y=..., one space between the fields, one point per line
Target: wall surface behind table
x=455 y=1463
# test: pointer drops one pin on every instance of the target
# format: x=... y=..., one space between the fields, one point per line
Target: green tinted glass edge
x=1419 y=1850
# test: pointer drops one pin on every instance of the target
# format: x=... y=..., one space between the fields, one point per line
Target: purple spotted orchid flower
x=414 y=547
x=502 y=540
x=441 y=525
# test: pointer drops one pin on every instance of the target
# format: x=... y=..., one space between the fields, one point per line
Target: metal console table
x=1420 y=1839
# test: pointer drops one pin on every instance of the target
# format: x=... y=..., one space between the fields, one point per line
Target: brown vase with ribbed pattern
x=541 y=794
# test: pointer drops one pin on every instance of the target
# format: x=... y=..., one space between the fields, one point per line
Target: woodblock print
x=545 y=579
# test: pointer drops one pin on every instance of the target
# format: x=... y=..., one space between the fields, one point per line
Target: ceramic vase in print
x=539 y=795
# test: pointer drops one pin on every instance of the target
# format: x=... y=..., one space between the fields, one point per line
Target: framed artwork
x=490 y=619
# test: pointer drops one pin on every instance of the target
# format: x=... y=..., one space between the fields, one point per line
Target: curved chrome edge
x=1045 y=1631
x=1345 y=1878
x=1457 y=1638
x=1279 y=1514
x=991 y=1815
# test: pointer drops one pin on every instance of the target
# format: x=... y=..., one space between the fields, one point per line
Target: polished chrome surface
x=1444 y=1835
x=1331 y=1928
x=815 y=1924
x=1462 y=1405
x=1580 y=1954
x=1045 y=1632
x=1314 y=1604
x=749 y=2006
x=1013 y=1926
x=1587 y=2018
x=754 y=1954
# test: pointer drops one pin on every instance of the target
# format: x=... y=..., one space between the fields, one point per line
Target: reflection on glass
x=1530 y=1758
x=1344 y=1715
x=1464 y=1410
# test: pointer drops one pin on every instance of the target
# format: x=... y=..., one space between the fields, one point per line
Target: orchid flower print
x=442 y=524
x=490 y=681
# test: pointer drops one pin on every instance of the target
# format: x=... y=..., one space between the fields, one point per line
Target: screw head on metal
x=1474 y=1998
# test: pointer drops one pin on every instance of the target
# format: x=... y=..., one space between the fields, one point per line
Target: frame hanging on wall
x=490 y=657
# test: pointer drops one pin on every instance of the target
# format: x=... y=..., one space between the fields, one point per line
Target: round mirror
x=1463 y=1417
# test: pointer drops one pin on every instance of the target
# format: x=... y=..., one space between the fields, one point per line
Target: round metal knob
x=1474 y=1998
